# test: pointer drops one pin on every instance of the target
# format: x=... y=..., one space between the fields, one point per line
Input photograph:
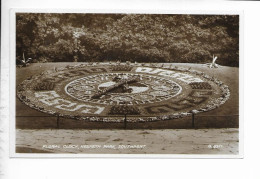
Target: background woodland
x=127 y=37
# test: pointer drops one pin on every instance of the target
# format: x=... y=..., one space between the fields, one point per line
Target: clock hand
x=118 y=84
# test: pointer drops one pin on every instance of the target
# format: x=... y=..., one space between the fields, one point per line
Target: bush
x=132 y=37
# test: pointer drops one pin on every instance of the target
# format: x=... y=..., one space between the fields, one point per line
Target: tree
x=129 y=37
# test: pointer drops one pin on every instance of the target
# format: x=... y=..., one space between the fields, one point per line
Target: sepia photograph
x=129 y=89
x=127 y=83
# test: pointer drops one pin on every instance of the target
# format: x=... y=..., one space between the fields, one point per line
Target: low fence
x=194 y=121
x=215 y=121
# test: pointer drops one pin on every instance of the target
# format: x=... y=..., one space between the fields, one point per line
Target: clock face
x=148 y=89
x=111 y=92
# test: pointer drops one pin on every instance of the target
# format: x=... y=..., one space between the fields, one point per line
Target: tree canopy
x=161 y=38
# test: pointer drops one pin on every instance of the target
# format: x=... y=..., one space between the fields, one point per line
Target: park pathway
x=166 y=141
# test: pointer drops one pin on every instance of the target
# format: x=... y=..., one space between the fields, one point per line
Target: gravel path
x=179 y=141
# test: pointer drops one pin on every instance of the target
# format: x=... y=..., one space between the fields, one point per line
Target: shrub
x=128 y=37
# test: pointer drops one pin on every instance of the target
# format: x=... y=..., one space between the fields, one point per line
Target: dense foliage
x=127 y=37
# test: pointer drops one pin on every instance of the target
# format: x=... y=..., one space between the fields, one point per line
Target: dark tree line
x=127 y=37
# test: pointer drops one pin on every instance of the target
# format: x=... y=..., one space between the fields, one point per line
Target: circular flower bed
x=170 y=92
